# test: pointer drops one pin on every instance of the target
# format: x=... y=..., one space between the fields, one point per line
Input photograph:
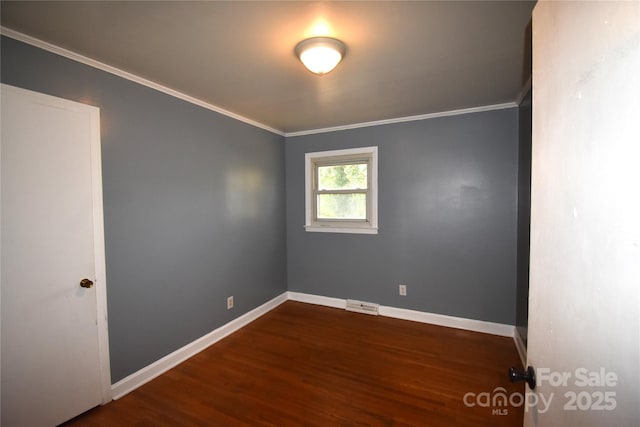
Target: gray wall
x=194 y=206
x=524 y=215
x=447 y=216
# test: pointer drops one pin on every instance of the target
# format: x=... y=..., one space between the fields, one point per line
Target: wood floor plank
x=303 y=364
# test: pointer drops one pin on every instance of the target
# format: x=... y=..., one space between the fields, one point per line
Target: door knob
x=86 y=283
x=529 y=376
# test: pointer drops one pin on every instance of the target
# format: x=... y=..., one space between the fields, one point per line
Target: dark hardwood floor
x=302 y=364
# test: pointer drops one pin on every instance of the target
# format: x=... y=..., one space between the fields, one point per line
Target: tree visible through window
x=342 y=191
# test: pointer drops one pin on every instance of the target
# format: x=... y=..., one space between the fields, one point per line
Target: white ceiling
x=403 y=58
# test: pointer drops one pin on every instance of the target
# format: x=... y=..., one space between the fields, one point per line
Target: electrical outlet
x=402 y=290
x=230 y=303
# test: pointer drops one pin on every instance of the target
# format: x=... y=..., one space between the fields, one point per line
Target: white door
x=54 y=344
x=584 y=324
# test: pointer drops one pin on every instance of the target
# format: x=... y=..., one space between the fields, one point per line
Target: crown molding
x=129 y=76
x=405 y=119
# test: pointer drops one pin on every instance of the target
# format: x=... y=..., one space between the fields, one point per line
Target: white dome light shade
x=320 y=54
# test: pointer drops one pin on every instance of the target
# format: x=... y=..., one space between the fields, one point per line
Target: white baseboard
x=416 y=316
x=317 y=299
x=522 y=349
x=146 y=374
x=448 y=321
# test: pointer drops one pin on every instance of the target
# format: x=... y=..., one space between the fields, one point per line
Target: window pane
x=342 y=206
x=342 y=177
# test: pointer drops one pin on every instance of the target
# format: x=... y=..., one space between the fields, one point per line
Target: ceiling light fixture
x=320 y=54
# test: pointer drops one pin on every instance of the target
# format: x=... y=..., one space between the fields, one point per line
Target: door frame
x=98 y=222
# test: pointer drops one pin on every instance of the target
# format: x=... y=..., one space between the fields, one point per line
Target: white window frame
x=368 y=226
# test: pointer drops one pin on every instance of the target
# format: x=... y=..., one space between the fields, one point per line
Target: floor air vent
x=362 y=307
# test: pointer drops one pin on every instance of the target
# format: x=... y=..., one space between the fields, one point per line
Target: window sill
x=348 y=230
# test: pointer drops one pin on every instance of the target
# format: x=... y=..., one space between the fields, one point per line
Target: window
x=342 y=191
